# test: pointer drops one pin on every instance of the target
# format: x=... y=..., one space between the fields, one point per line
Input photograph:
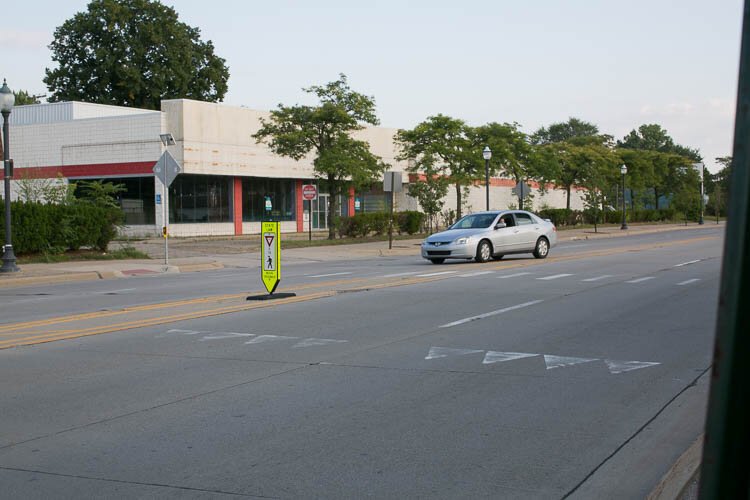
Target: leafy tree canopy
x=654 y=138
x=133 y=53
x=24 y=98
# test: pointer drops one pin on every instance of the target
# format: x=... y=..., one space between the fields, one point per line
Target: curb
x=193 y=268
x=680 y=475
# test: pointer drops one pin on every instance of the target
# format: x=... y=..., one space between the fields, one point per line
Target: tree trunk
x=458 y=201
x=567 y=191
x=333 y=190
x=656 y=198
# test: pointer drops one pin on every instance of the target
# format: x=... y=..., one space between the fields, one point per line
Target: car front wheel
x=541 y=250
x=484 y=251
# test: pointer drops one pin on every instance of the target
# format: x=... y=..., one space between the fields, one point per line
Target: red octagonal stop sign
x=309 y=192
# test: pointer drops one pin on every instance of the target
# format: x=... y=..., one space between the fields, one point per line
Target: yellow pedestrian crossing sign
x=270 y=255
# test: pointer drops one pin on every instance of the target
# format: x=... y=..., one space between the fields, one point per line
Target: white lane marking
x=311 y=342
x=491 y=313
x=186 y=332
x=435 y=274
x=499 y=357
x=269 y=338
x=444 y=352
x=555 y=276
x=327 y=275
x=553 y=362
x=603 y=276
x=687 y=282
x=639 y=280
x=687 y=263
x=515 y=275
x=401 y=274
x=225 y=335
x=478 y=273
x=117 y=291
x=616 y=367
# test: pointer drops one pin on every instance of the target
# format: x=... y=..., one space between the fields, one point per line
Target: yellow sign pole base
x=270 y=261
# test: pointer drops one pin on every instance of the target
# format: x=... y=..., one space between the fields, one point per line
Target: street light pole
x=487 y=154
x=701 y=166
x=623 y=171
x=7 y=99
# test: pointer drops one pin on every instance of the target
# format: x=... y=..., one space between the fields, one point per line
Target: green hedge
x=565 y=217
x=365 y=224
x=50 y=228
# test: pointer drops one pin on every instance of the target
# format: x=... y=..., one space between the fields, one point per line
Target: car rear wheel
x=484 y=251
x=541 y=250
x=437 y=261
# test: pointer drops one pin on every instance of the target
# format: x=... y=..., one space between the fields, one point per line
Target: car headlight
x=461 y=241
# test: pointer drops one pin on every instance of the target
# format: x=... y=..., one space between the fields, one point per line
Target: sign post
x=309 y=193
x=391 y=184
x=166 y=169
x=270 y=261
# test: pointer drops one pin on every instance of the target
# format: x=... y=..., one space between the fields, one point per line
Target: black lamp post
x=487 y=154
x=700 y=168
x=7 y=99
x=623 y=171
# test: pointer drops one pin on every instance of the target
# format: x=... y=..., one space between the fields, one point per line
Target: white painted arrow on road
x=616 y=367
x=269 y=338
x=499 y=357
x=311 y=342
x=444 y=352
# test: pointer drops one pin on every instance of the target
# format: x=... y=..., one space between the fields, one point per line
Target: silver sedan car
x=491 y=235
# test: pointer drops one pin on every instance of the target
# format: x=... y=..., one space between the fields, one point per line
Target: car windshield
x=475 y=221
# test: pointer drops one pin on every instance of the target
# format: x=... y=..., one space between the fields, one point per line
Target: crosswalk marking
x=639 y=280
x=603 y=276
x=554 y=277
x=687 y=282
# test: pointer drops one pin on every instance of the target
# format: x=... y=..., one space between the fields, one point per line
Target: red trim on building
x=237 y=199
x=351 y=201
x=86 y=170
x=299 y=206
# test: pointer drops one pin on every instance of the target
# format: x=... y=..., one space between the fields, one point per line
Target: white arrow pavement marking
x=499 y=357
x=435 y=274
x=514 y=275
x=444 y=352
x=313 y=342
x=491 y=313
x=687 y=263
x=327 y=275
x=626 y=366
x=561 y=361
x=269 y=338
x=641 y=279
x=186 y=332
x=478 y=273
x=687 y=282
x=555 y=276
x=603 y=276
x=225 y=335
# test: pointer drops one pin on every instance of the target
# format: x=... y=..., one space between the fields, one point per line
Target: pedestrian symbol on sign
x=270 y=262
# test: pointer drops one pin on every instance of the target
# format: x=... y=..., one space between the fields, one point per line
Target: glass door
x=320 y=212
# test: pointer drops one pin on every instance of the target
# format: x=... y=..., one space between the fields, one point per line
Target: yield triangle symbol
x=616 y=367
x=562 y=361
x=499 y=357
x=444 y=352
x=269 y=239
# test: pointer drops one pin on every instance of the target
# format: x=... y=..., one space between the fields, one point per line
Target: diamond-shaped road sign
x=167 y=168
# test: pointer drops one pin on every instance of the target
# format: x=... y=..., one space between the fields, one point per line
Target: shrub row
x=364 y=224
x=565 y=217
x=51 y=228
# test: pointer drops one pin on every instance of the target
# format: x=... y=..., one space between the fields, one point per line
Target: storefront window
x=257 y=190
x=137 y=201
x=200 y=198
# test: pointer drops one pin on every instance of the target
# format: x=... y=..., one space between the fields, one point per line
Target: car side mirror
x=500 y=225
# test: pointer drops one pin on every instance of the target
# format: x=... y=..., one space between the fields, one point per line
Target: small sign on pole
x=309 y=193
x=270 y=261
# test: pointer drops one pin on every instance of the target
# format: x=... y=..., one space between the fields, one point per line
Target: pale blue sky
x=617 y=64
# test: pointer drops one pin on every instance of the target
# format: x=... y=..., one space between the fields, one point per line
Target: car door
x=528 y=231
x=502 y=237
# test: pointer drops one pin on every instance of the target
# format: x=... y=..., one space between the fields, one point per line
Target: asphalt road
x=583 y=376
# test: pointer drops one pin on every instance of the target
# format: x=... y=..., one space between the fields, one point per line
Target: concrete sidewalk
x=202 y=254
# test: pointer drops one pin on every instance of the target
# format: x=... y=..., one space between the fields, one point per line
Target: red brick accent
x=86 y=170
x=351 y=201
x=300 y=206
x=237 y=198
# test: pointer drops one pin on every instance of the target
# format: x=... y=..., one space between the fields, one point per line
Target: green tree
x=133 y=53
x=447 y=144
x=23 y=98
x=428 y=189
x=325 y=130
